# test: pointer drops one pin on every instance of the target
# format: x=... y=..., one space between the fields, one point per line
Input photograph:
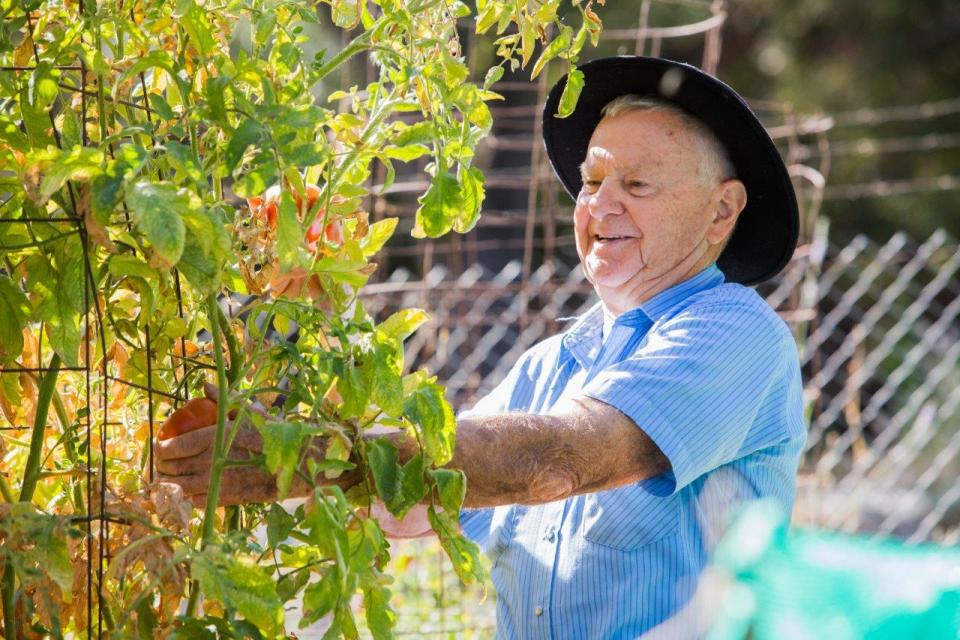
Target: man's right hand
x=185 y=457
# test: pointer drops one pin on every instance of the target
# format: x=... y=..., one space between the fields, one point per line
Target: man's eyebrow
x=637 y=166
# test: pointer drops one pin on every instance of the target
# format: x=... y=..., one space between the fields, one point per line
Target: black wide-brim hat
x=766 y=232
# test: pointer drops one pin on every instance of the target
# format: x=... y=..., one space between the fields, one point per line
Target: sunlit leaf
x=281 y=449
x=158 y=208
x=425 y=405
x=14 y=309
x=440 y=206
x=239 y=584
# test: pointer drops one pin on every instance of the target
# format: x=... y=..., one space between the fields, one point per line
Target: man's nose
x=606 y=200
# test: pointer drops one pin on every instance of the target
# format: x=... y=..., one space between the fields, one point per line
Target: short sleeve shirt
x=710 y=372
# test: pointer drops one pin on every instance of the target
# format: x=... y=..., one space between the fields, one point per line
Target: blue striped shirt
x=710 y=372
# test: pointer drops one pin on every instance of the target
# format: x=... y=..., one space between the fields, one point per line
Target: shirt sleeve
x=696 y=385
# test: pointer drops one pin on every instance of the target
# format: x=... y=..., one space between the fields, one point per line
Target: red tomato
x=195 y=414
x=268 y=206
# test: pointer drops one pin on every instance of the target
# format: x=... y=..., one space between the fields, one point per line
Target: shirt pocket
x=629 y=517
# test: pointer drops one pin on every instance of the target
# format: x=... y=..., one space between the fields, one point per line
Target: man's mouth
x=610 y=238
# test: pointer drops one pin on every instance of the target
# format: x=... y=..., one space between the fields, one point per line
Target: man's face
x=643 y=215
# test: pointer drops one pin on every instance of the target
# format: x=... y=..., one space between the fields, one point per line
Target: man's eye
x=592 y=185
x=636 y=185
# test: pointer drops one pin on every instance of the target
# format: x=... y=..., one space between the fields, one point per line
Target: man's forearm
x=520 y=458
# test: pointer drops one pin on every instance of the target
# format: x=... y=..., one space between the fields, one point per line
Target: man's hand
x=186 y=459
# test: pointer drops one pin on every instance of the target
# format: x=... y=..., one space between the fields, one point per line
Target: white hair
x=714 y=165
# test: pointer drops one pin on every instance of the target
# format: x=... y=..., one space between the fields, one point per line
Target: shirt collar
x=583 y=340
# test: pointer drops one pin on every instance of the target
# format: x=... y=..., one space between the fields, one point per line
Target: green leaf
x=387 y=388
x=36 y=120
x=472 y=193
x=406 y=153
x=289 y=234
x=528 y=40
x=121 y=265
x=161 y=106
x=43 y=85
x=451 y=487
x=425 y=406
x=181 y=158
x=319 y=598
x=440 y=206
x=571 y=93
x=382 y=458
x=238 y=584
x=552 y=50
x=354 y=387
x=157 y=209
x=200 y=270
x=381 y=617
x=345 y=13
x=279 y=524
x=246 y=134
x=14 y=309
x=412 y=488
x=79 y=163
x=418 y=133
x=158 y=59
x=325 y=523
x=377 y=236
x=200 y=30
x=463 y=553
x=403 y=323
x=281 y=449
x=493 y=76
x=57 y=279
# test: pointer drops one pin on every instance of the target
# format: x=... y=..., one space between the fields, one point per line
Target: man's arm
x=513 y=458
x=520 y=458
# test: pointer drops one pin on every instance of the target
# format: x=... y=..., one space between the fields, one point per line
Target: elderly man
x=602 y=468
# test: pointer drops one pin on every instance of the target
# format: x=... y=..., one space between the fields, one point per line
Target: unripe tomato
x=195 y=414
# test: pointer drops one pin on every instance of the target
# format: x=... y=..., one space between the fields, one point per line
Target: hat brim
x=766 y=232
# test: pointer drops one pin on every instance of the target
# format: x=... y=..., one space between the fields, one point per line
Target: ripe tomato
x=195 y=414
x=268 y=204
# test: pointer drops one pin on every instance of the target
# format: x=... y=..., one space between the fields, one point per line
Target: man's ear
x=730 y=197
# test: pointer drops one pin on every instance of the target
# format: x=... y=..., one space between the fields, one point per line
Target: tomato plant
x=158 y=156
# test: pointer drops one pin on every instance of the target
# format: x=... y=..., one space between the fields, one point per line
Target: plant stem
x=217 y=463
x=30 y=476
x=358 y=44
x=31 y=473
x=7 y=588
x=233 y=348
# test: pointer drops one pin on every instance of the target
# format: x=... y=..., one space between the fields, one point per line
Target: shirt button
x=551 y=535
x=538 y=611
